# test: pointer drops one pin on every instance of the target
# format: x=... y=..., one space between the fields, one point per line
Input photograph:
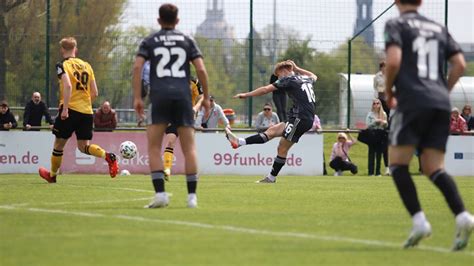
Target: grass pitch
x=95 y=220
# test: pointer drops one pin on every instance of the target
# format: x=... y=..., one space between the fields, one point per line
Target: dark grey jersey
x=426 y=45
x=169 y=52
x=300 y=91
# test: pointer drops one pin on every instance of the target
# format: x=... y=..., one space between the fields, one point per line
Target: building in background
x=216 y=27
x=364 y=17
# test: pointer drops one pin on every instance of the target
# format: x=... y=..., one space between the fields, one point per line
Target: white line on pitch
x=230 y=228
x=74 y=202
x=115 y=188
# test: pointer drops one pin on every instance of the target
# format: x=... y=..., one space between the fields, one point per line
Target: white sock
x=419 y=218
x=462 y=215
x=271 y=177
x=242 y=142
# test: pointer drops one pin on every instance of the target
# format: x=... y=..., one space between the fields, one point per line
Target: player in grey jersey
x=417 y=49
x=169 y=52
x=298 y=84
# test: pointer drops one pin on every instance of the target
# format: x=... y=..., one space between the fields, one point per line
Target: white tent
x=362 y=93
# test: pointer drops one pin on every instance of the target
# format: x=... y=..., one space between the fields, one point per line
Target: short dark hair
x=168 y=13
x=3 y=104
x=411 y=2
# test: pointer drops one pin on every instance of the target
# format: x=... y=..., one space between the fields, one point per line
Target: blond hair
x=281 y=65
x=380 y=112
x=68 y=43
x=342 y=135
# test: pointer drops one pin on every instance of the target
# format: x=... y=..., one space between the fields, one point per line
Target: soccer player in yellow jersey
x=172 y=130
x=77 y=90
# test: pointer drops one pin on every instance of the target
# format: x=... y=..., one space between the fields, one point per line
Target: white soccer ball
x=128 y=149
x=124 y=172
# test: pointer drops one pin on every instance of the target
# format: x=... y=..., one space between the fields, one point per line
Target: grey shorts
x=423 y=129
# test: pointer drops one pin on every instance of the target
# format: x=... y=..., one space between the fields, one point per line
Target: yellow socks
x=95 y=150
x=56 y=159
x=168 y=158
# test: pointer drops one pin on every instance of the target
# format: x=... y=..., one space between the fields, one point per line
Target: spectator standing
x=377 y=120
x=466 y=114
x=379 y=88
x=266 y=118
x=34 y=112
x=7 y=119
x=340 y=160
x=457 y=124
x=279 y=99
x=105 y=118
x=216 y=114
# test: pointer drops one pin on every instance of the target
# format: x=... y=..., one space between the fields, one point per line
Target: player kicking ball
x=298 y=84
x=77 y=90
x=417 y=49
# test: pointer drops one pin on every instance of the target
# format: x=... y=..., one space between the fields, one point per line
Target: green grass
x=95 y=220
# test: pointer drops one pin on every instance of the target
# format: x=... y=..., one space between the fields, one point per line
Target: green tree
x=6 y=8
x=91 y=22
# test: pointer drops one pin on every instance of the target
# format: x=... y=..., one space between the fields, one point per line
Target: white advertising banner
x=459 y=156
x=24 y=152
x=216 y=156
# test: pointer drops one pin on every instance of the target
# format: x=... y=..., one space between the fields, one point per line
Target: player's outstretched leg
x=233 y=139
x=111 y=159
x=464 y=228
x=97 y=151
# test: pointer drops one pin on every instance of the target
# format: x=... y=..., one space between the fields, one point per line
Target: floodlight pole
x=250 y=63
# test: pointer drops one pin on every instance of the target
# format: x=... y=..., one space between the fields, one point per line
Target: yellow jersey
x=81 y=75
x=196 y=90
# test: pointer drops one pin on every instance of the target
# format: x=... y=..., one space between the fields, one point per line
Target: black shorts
x=175 y=112
x=77 y=122
x=172 y=129
x=295 y=128
x=423 y=129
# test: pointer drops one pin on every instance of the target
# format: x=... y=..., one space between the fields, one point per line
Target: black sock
x=158 y=180
x=192 y=185
x=447 y=186
x=257 y=139
x=406 y=188
x=277 y=165
x=191 y=181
